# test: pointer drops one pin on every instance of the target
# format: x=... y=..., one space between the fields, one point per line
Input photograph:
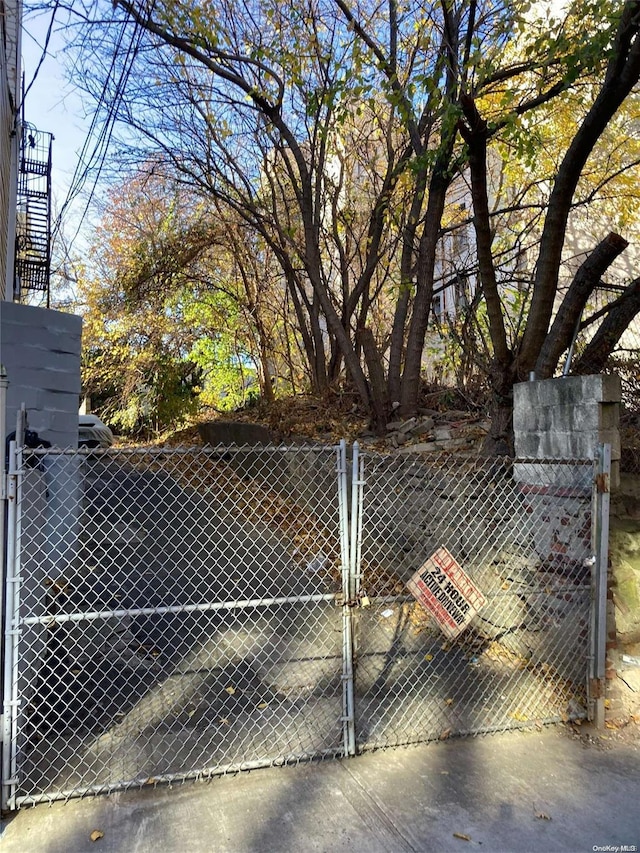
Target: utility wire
x=43 y=55
x=96 y=159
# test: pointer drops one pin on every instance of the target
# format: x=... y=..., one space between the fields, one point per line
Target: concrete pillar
x=567 y=418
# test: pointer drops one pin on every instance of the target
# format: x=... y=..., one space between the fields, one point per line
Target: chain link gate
x=522 y=534
x=173 y=617
x=171 y=614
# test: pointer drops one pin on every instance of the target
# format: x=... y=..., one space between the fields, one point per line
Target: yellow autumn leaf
x=230 y=690
x=96 y=835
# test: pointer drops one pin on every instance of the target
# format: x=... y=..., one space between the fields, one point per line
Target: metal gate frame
x=350 y=474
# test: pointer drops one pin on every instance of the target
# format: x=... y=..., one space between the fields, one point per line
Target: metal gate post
x=357 y=484
x=354 y=580
x=348 y=715
x=4 y=384
x=11 y=632
x=600 y=532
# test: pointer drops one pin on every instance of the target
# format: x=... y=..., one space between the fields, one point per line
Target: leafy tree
x=145 y=339
x=336 y=134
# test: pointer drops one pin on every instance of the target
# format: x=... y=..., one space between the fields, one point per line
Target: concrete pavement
x=541 y=792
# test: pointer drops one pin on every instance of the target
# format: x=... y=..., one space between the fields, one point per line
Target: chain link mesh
x=175 y=613
x=176 y=616
x=522 y=534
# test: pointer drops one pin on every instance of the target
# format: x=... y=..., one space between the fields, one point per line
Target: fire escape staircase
x=33 y=226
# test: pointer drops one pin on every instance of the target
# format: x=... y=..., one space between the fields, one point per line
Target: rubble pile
x=432 y=432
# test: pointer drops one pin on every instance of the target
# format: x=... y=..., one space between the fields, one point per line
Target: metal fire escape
x=33 y=226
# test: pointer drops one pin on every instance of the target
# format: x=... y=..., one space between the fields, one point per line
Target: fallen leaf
x=225 y=721
x=428 y=657
x=448 y=701
x=505 y=585
x=230 y=690
x=96 y=835
x=263 y=705
x=445 y=734
x=542 y=816
x=462 y=836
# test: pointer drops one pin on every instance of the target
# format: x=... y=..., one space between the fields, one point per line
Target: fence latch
x=342 y=602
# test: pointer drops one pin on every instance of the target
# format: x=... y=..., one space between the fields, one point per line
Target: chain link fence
x=175 y=617
x=521 y=532
x=181 y=613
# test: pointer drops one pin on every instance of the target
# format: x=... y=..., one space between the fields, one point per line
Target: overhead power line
x=94 y=150
x=44 y=53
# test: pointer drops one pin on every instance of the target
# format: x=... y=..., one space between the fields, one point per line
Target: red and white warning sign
x=448 y=593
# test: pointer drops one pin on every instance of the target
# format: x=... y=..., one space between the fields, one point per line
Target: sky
x=54 y=105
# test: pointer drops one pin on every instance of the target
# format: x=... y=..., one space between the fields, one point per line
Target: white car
x=93 y=433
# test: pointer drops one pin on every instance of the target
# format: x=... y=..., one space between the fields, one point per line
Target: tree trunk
x=568 y=316
x=475 y=134
x=442 y=176
x=499 y=441
x=379 y=397
x=396 y=349
x=605 y=340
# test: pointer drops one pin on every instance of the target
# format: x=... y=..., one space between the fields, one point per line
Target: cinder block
x=612 y=437
x=609 y=416
x=610 y=388
x=527 y=445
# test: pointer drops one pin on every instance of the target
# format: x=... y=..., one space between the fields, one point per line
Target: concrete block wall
x=567 y=418
x=40 y=350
